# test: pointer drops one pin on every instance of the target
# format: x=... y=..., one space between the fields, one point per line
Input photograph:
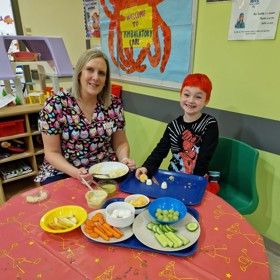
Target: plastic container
x=11 y=127
x=109 y=186
x=116 y=90
x=25 y=56
x=36 y=196
x=96 y=200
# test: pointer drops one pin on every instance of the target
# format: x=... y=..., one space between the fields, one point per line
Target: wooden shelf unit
x=29 y=113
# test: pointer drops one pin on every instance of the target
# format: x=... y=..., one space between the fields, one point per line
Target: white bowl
x=135 y=197
x=117 y=221
x=114 y=169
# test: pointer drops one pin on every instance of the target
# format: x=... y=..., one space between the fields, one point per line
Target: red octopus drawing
x=127 y=60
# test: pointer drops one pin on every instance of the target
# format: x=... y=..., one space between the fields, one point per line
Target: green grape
x=167 y=215
x=161 y=217
x=158 y=210
x=165 y=219
x=175 y=218
x=176 y=213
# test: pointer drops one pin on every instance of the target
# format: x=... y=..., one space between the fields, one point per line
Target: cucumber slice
x=150 y=226
x=163 y=228
x=176 y=240
x=183 y=238
x=192 y=226
x=159 y=230
x=170 y=228
x=163 y=240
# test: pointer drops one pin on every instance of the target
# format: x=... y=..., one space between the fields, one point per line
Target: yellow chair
x=237 y=164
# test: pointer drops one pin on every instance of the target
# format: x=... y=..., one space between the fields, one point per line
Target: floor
x=273 y=255
x=274 y=263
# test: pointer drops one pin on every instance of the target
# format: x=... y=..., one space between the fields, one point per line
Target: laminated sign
x=253 y=19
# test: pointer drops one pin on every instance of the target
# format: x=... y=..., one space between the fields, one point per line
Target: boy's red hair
x=198 y=80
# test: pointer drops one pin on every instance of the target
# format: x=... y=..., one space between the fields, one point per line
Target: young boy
x=192 y=137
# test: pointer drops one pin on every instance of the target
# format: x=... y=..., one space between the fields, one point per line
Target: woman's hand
x=130 y=163
x=83 y=173
x=139 y=171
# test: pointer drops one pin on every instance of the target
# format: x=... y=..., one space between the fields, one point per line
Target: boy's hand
x=139 y=171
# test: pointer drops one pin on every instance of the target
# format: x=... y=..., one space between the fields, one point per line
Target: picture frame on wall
x=145 y=45
x=217 y=1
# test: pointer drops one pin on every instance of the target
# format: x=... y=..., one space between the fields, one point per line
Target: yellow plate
x=79 y=212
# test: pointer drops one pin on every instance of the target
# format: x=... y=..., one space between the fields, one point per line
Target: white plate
x=147 y=237
x=127 y=231
x=113 y=168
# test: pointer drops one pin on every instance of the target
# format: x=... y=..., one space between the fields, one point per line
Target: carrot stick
x=89 y=223
x=118 y=231
x=101 y=234
x=96 y=217
x=94 y=235
x=101 y=220
x=102 y=229
x=116 y=234
x=108 y=232
x=88 y=230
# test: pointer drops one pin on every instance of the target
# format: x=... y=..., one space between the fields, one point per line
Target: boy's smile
x=192 y=101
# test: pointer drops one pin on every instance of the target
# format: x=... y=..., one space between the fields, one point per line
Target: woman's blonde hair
x=105 y=95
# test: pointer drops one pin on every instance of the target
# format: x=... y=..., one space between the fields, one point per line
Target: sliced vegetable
x=175 y=239
x=183 y=238
x=98 y=227
x=167 y=235
x=163 y=240
x=192 y=226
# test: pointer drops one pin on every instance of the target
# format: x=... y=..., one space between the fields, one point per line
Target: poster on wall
x=91 y=16
x=253 y=19
x=149 y=42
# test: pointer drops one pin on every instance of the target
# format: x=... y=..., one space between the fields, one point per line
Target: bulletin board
x=150 y=43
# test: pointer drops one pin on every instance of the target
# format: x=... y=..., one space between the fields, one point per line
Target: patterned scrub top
x=83 y=142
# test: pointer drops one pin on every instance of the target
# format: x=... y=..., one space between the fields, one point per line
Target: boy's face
x=192 y=100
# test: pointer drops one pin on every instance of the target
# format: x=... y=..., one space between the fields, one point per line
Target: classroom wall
x=245 y=78
x=61 y=18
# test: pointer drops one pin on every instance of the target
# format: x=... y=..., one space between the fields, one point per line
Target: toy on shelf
x=47 y=54
x=24 y=56
x=16 y=146
x=33 y=96
x=14 y=169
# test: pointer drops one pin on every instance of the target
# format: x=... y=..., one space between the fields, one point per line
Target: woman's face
x=93 y=77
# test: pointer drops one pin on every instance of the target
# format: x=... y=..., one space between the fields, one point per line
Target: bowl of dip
x=109 y=186
x=96 y=199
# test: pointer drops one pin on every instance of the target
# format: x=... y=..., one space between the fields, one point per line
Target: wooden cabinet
x=33 y=148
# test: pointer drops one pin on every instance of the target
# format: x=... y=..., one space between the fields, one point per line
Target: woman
x=85 y=126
